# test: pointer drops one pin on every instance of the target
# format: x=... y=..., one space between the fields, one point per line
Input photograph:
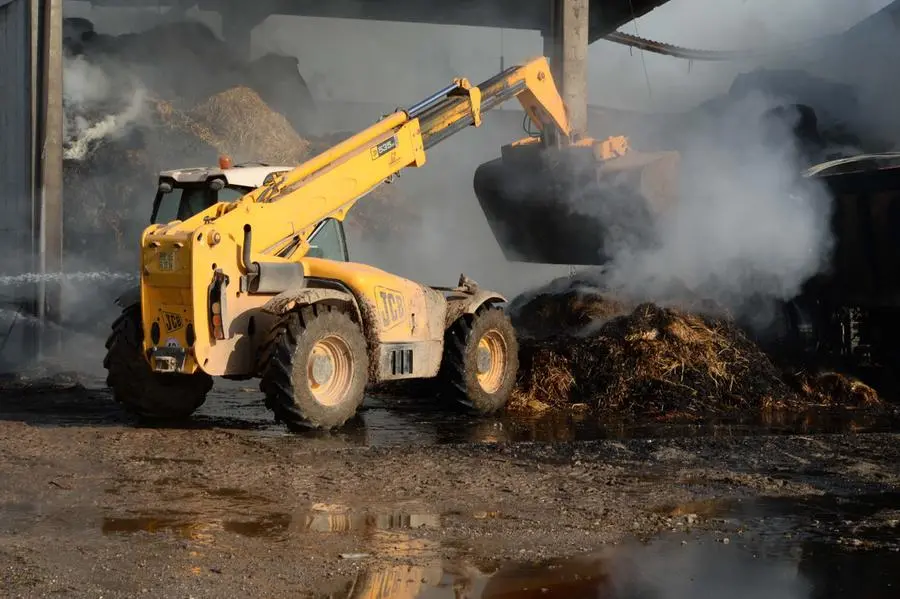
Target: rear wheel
x=134 y=384
x=317 y=368
x=481 y=359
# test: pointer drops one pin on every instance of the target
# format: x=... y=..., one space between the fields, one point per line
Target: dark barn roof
x=605 y=16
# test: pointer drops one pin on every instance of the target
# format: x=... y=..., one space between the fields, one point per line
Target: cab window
x=327 y=241
x=185 y=201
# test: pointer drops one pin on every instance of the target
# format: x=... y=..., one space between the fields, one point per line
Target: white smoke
x=97 y=106
x=746 y=224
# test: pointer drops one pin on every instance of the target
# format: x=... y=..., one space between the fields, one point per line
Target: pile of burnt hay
x=239 y=123
x=653 y=361
x=547 y=314
x=656 y=362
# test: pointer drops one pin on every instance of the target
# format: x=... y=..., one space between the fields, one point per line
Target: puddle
x=409 y=421
x=194 y=527
x=320 y=518
x=869 y=521
x=671 y=567
x=765 y=555
x=337 y=518
x=813 y=547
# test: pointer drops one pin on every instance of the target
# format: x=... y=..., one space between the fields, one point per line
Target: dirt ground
x=94 y=505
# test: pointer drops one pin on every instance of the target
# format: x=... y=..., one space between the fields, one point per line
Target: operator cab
x=185 y=192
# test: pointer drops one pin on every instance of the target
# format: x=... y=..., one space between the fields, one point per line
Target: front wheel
x=481 y=359
x=134 y=384
x=316 y=372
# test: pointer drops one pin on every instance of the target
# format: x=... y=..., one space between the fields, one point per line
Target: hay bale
x=237 y=122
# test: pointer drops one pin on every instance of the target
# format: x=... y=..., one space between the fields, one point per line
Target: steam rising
x=746 y=224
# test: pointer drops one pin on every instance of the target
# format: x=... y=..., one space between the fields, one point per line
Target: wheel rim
x=492 y=356
x=330 y=370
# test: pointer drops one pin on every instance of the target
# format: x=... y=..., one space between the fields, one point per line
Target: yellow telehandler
x=243 y=281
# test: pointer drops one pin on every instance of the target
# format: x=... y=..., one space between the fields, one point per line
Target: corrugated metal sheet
x=15 y=131
x=15 y=177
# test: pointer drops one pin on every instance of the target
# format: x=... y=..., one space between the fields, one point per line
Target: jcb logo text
x=390 y=306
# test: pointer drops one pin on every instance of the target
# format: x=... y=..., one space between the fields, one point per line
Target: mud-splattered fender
x=288 y=300
x=459 y=303
x=129 y=297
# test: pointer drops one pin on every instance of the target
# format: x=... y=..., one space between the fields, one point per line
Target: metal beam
x=238 y=22
x=566 y=46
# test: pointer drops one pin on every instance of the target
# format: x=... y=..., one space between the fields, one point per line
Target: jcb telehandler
x=244 y=281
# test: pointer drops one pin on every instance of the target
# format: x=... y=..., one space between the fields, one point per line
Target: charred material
x=649 y=361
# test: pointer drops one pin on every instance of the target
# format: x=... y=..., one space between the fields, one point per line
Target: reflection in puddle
x=408 y=422
x=778 y=560
x=772 y=558
x=338 y=518
x=392 y=421
x=673 y=567
x=385 y=529
x=193 y=527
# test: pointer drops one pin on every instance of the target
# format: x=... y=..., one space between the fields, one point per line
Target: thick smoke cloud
x=746 y=224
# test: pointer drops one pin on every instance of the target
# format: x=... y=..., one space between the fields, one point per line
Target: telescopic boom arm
x=448 y=111
x=287 y=207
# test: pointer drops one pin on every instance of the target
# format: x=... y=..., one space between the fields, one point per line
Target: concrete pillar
x=237 y=34
x=238 y=21
x=566 y=47
x=48 y=221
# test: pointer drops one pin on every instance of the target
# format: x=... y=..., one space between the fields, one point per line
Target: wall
x=15 y=169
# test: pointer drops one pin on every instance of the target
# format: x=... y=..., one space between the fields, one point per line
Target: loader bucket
x=567 y=206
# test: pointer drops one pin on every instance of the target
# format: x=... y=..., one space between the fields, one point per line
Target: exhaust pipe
x=249 y=267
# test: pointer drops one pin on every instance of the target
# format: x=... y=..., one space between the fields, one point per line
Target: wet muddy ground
x=413 y=501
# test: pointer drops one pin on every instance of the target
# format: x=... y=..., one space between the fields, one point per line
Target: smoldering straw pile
x=581 y=346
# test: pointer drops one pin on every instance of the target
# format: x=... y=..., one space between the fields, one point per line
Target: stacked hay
x=655 y=362
x=239 y=123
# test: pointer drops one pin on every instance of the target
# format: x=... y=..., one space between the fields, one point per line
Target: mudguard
x=288 y=300
x=460 y=303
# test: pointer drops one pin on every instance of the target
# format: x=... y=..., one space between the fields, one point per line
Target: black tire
x=460 y=363
x=286 y=380
x=140 y=390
